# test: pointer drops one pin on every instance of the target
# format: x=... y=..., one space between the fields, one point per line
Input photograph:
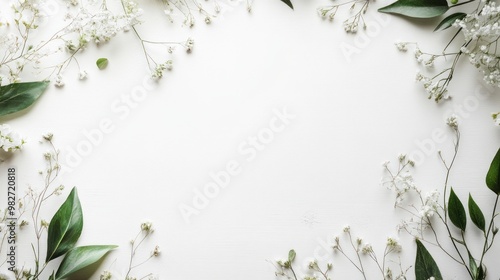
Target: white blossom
x=482 y=28
x=10 y=140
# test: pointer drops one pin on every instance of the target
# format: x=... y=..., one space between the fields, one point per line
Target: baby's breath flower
x=189 y=44
x=48 y=136
x=59 y=190
x=105 y=275
x=401 y=157
x=402 y=46
x=393 y=245
x=418 y=54
x=82 y=75
x=367 y=248
x=147 y=226
x=59 y=81
x=346 y=228
x=483 y=29
x=156 y=252
x=452 y=122
x=10 y=140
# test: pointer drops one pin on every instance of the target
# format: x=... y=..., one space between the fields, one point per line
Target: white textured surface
x=320 y=172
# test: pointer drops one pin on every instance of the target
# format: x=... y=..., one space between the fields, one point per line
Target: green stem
x=490 y=230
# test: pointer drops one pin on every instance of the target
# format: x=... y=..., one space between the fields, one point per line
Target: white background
x=321 y=172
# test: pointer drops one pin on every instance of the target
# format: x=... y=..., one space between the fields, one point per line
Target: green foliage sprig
x=64 y=231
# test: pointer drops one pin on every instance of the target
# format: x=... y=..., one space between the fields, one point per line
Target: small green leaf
x=291 y=256
x=288 y=2
x=65 y=227
x=473 y=267
x=481 y=274
x=102 y=63
x=456 y=211
x=81 y=257
x=18 y=96
x=493 y=175
x=425 y=266
x=417 y=8
x=476 y=215
x=449 y=21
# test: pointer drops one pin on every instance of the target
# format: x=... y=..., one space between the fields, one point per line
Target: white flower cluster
x=350 y=26
x=436 y=86
x=9 y=139
x=437 y=90
x=452 y=121
x=430 y=205
x=482 y=30
x=402 y=181
x=101 y=25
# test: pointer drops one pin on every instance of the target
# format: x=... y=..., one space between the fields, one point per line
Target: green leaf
x=456 y=211
x=102 y=63
x=65 y=227
x=425 y=266
x=18 y=96
x=417 y=8
x=492 y=177
x=449 y=21
x=481 y=274
x=476 y=215
x=473 y=267
x=81 y=257
x=291 y=256
x=288 y=2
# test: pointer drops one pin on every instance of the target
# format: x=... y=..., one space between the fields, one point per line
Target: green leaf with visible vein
x=417 y=8
x=65 y=227
x=449 y=21
x=81 y=257
x=425 y=266
x=18 y=96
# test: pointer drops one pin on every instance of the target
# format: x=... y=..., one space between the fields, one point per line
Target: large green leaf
x=18 y=96
x=65 y=227
x=449 y=21
x=456 y=211
x=492 y=178
x=288 y=2
x=81 y=257
x=417 y=8
x=425 y=266
x=476 y=215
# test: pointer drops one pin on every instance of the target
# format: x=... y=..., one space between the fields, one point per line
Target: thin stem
x=490 y=230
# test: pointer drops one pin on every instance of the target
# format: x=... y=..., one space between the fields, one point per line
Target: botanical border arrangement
x=480 y=30
x=62 y=232
x=95 y=22
x=429 y=214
